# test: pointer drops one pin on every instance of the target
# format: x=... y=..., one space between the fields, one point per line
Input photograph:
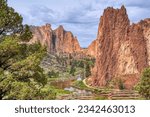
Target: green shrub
x=121 y=85
x=72 y=70
x=53 y=74
x=144 y=84
x=80 y=84
x=87 y=70
x=101 y=98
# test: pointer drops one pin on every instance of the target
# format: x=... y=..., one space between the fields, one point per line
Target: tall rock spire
x=121 y=50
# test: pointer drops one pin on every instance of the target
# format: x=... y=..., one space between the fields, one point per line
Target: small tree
x=87 y=70
x=53 y=74
x=26 y=34
x=121 y=85
x=72 y=70
x=144 y=85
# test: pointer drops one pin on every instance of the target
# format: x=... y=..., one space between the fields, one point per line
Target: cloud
x=137 y=3
x=81 y=20
x=39 y=15
x=137 y=10
x=81 y=16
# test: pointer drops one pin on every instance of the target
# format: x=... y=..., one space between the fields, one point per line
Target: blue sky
x=78 y=16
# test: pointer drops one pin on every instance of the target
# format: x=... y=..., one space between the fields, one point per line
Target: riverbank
x=73 y=89
x=117 y=94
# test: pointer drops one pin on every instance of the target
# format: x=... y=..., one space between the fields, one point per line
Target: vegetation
x=21 y=77
x=87 y=70
x=95 y=91
x=60 y=91
x=101 y=98
x=85 y=64
x=72 y=70
x=80 y=84
x=53 y=74
x=120 y=84
x=10 y=21
x=62 y=66
x=116 y=83
x=144 y=85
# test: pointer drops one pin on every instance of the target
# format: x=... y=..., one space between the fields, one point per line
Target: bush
x=72 y=70
x=120 y=84
x=87 y=70
x=80 y=85
x=144 y=85
x=53 y=74
x=97 y=91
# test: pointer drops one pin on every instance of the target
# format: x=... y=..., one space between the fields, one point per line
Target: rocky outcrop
x=145 y=25
x=56 y=41
x=44 y=35
x=92 y=49
x=123 y=50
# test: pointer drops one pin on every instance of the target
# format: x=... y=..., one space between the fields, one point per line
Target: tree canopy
x=21 y=76
x=10 y=21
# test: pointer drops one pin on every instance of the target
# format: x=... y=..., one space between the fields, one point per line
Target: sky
x=81 y=17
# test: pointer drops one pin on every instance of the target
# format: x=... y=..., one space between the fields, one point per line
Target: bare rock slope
x=58 y=40
x=92 y=49
x=123 y=50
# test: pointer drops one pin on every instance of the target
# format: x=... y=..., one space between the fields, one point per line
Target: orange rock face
x=58 y=40
x=44 y=35
x=92 y=49
x=145 y=25
x=123 y=50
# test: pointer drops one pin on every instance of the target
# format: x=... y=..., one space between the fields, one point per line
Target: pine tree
x=21 y=76
x=72 y=70
x=10 y=21
x=144 y=85
x=87 y=70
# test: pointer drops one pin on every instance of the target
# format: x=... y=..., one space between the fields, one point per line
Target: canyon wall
x=92 y=49
x=123 y=50
x=58 y=40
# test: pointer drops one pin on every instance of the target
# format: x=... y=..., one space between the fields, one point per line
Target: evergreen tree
x=87 y=70
x=21 y=77
x=10 y=21
x=72 y=70
x=26 y=34
x=144 y=85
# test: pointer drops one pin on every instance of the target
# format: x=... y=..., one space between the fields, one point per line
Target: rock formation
x=123 y=50
x=58 y=40
x=92 y=49
x=145 y=25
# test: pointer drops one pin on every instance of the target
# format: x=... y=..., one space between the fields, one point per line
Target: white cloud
x=79 y=16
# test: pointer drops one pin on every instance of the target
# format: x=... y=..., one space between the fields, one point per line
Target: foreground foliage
x=21 y=77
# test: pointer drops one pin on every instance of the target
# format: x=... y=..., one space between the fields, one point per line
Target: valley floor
x=79 y=90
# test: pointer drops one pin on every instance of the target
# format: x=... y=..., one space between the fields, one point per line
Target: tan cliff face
x=123 y=50
x=145 y=25
x=92 y=49
x=44 y=35
x=58 y=40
